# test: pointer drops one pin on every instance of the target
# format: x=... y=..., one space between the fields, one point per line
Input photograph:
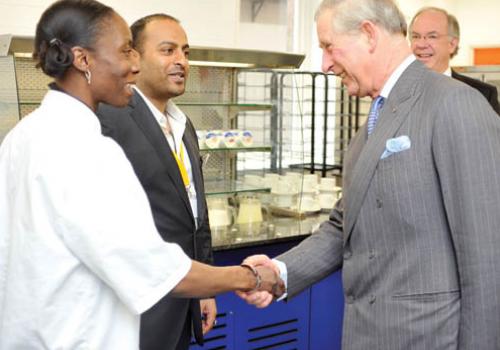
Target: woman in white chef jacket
x=80 y=257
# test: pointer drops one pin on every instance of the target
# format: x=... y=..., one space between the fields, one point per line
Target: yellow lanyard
x=182 y=167
x=165 y=126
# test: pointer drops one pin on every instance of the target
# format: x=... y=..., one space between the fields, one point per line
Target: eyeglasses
x=431 y=37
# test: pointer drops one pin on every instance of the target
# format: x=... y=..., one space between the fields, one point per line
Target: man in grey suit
x=417 y=232
x=434 y=38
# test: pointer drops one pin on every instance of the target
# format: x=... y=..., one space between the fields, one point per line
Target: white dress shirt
x=394 y=77
x=80 y=257
x=177 y=121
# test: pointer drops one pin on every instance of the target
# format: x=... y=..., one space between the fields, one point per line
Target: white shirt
x=80 y=257
x=177 y=121
x=394 y=77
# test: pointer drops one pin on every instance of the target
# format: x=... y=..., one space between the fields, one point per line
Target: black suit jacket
x=136 y=130
x=489 y=91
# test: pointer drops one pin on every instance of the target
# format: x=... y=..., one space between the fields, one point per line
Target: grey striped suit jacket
x=417 y=234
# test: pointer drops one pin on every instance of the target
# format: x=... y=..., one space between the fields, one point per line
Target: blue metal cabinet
x=283 y=325
x=327 y=312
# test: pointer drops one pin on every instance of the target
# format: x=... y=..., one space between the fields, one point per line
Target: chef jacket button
x=371 y=255
x=379 y=203
x=372 y=299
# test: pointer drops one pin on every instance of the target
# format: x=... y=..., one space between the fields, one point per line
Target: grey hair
x=453 y=26
x=349 y=14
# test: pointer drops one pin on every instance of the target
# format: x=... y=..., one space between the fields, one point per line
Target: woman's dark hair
x=65 y=24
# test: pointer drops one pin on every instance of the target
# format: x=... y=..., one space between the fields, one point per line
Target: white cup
x=327 y=184
x=213 y=138
x=245 y=138
x=271 y=181
x=230 y=138
x=309 y=202
x=295 y=181
x=310 y=183
x=329 y=194
x=285 y=200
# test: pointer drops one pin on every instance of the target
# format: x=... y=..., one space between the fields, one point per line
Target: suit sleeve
x=494 y=100
x=466 y=148
x=317 y=256
x=205 y=238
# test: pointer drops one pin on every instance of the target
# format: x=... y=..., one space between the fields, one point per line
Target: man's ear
x=80 y=58
x=453 y=45
x=370 y=33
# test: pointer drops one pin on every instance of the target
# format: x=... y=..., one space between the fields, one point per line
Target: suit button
x=349 y=299
x=379 y=203
x=371 y=255
x=347 y=254
x=372 y=299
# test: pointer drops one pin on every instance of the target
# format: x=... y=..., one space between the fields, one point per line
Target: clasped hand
x=272 y=286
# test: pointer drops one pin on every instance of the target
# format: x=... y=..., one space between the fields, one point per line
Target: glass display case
x=240 y=149
x=271 y=138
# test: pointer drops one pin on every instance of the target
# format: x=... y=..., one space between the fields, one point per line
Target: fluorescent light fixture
x=23 y=54
x=200 y=56
x=221 y=64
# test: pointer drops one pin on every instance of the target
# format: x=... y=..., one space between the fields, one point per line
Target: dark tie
x=377 y=103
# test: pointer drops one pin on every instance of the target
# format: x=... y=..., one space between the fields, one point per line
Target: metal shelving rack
x=312 y=119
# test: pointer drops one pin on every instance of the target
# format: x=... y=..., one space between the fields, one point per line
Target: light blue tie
x=377 y=103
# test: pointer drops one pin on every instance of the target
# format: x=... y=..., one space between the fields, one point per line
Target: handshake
x=268 y=286
x=257 y=281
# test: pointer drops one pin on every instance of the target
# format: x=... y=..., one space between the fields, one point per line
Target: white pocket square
x=396 y=145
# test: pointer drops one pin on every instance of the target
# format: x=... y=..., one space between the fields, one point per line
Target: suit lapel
x=191 y=142
x=147 y=123
x=395 y=111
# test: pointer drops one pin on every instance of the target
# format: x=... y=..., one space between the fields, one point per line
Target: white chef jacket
x=80 y=257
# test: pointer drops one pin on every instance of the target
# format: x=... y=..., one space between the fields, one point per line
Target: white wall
x=268 y=30
x=207 y=22
x=217 y=22
x=478 y=20
x=479 y=25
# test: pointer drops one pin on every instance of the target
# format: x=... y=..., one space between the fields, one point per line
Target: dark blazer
x=487 y=90
x=136 y=130
x=416 y=233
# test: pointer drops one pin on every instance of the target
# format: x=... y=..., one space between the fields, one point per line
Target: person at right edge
x=435 y=37
x=161 y=144
x=417 y=231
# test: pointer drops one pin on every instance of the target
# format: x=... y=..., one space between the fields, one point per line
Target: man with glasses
x=434 y=36
x=416 y=230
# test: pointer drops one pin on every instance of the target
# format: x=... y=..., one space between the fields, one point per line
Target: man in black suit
x=434 y=37
x=161 y=143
